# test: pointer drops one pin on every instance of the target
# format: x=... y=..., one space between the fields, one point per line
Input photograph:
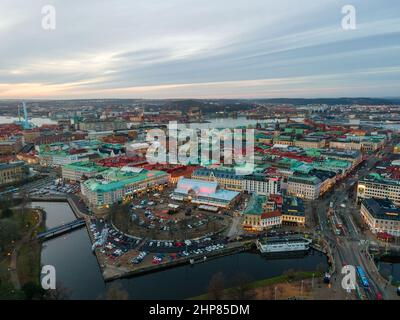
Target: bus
x=363 y=278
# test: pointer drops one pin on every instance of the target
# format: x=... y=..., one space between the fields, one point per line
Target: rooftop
x=255 y=205
x=115 y=179
x=293 y=206
x=204 y=189
x=382 y=209
x=85 y=166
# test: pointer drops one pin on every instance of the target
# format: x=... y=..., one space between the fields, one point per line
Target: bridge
x=57 y=231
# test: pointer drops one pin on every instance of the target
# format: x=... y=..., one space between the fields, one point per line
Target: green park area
x=290 y=285
x=20 y=251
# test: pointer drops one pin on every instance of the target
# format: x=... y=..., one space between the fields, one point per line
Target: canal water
x=390 y=269
x=78 y=272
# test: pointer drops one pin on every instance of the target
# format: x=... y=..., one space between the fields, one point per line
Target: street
x=348 y=248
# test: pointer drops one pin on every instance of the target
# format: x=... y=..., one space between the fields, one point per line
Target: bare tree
x=60 y=293
x=115 y=292
x=241 y=290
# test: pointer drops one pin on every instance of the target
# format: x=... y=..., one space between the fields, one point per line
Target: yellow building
x=293 y=211
x=13 y=172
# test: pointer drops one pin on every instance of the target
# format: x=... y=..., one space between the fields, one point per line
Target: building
x=229 y=179
x=293 y=212
x=271 y=219
x=10 y=147
x=253 y=212
x=340 y=167
x=354 y=156
x=59 y=154
x=362 y=143
x=396 y=149
x=284 y=140
x=344 y=144
x=204 y=193
x=81 y=170
x=374 y=186
x=381 y=216
x=137 y=149
x=102 y=125
x=13 y=172
x=309 y=142
x=117 y=185
x=304 y=186
x=60 y=157
x=258 y=217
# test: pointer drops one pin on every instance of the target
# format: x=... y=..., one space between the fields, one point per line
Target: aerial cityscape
x=224 y=158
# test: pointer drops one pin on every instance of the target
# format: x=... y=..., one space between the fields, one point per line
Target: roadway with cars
x=347 y=247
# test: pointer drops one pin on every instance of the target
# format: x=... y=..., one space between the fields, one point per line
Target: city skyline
x=191 y=50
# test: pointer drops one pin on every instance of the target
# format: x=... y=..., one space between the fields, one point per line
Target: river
x=36 y=121
x=219 y=123
x=77 y=269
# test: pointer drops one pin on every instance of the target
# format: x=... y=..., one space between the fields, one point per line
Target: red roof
x=272 y=214
x=277 y=198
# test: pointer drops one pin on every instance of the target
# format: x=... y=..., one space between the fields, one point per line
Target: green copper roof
x=117 y=179
x=255 y=205
x=85 y=166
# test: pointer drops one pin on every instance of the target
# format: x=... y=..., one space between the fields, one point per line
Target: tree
x=216 y=286
x=60 y=293
x=6 y=213
x=291 y=274
x=8 y=292
x=320 y=267
x=241 y=290
x=9 y=231
x=24 y=202
x=33 y=291
x=115 y=292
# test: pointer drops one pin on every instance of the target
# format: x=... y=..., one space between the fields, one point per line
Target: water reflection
x=78 y=271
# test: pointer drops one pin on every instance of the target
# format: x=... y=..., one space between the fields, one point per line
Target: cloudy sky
x=199 y=49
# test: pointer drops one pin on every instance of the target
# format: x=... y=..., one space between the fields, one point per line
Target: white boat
x=285 y=244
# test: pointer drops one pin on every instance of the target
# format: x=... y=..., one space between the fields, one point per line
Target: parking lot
x=122 y=250
x=53 y=187
x=157 y=216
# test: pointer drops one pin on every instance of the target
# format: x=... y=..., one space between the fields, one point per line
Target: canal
x=78 y=271
x=390 y=269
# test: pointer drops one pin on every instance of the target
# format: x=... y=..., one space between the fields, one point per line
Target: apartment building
x=381 y=215
x=13 y=172
x=374 y=186
x=253 y=183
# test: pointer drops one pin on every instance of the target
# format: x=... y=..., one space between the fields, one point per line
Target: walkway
x=14 y=255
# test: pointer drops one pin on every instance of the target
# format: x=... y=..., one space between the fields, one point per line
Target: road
x=347 y=248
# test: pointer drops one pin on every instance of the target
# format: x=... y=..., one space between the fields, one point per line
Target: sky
x=199 y=49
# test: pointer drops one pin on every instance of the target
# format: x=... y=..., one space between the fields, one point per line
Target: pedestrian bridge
x=62 y=229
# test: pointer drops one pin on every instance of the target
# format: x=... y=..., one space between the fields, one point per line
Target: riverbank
x=289 y=285
x=20 y=264
x=175 y=282
x=112 y=272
